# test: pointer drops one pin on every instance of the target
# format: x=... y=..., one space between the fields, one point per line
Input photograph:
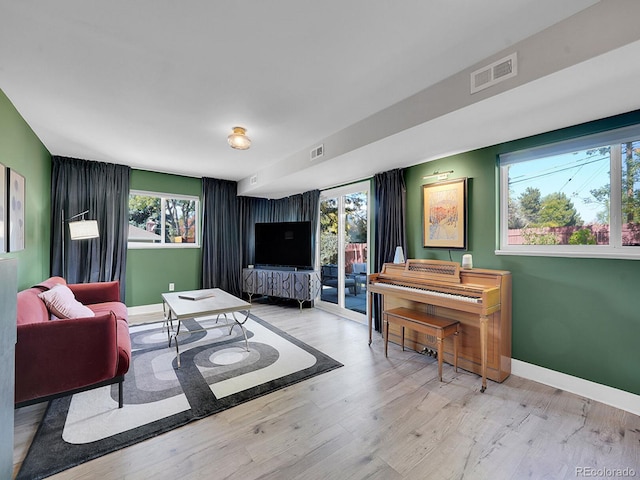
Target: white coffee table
x=178 y=306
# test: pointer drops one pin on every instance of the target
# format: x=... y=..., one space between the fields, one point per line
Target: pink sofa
x=57 y=357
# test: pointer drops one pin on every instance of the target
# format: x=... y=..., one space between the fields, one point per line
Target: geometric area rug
x=216 y=372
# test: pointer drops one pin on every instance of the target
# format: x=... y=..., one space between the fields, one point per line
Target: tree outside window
x=355 y=225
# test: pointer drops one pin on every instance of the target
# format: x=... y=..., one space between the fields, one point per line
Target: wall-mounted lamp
x=438 y=175
x=238 y=139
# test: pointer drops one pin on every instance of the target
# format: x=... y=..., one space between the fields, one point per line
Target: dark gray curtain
x=390 y=213
x=221 y=237
x=296 y=208
x=102 y=189
x=228 y=223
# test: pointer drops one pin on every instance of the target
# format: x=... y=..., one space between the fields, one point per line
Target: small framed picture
x=445 y=214
x=16 y=209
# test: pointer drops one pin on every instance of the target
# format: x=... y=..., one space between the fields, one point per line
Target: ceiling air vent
x=317 y=152
x=253 y=180
x=494 y=73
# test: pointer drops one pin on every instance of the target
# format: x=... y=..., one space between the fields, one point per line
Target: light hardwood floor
x=378 y=418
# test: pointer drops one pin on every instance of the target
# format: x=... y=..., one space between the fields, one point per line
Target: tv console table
x=301 y=285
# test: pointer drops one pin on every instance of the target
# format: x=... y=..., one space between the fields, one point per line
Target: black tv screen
x=283 y=244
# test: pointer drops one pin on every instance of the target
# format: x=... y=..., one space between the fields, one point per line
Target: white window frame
x=163 y=196
x=339 y=192
x=615 y=249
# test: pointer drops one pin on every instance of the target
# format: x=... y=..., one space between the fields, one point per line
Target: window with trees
x=579 y=197
x=158 y=219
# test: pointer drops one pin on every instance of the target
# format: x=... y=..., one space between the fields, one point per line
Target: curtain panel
x=102 y=189
x=221 y=234
x=229 y=223
x=390 y=213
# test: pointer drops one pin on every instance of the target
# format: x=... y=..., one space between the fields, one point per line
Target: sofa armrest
x=96 y=292
x=60 y=355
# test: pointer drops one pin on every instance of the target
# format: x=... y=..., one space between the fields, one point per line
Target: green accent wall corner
x=22 y=150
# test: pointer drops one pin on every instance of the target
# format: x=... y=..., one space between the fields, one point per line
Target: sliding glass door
x=344 y=248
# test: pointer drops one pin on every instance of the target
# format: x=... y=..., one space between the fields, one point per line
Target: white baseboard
x=585 y=388
x=144 y=309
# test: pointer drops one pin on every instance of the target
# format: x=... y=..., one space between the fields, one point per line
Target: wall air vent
x=253 y=180
x=494 y=73
x=317 y=152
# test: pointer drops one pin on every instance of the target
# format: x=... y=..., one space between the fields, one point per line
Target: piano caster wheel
x=483 y=389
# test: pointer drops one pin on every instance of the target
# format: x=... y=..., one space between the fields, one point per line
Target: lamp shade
x=399 y=256
x=238 y=139
x=83 y=229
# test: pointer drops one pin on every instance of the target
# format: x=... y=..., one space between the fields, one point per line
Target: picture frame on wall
x=3 y=209
x=16 y=210
x=445 y=214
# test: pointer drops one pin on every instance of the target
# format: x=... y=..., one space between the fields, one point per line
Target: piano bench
x=438 y=327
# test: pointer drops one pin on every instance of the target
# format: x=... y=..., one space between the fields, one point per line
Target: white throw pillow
x=63 y=304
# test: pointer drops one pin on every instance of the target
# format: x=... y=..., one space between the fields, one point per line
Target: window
x=580 y=197
x=158 y=219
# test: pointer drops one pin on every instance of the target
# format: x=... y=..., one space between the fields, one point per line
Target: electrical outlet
x=172 y=287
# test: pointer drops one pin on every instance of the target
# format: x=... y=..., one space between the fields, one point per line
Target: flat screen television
x=283 y=244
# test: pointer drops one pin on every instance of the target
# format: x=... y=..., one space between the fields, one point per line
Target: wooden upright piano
x=479 y=299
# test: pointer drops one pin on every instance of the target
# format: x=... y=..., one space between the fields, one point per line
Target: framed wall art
x=445 y=214
x=15 y=208
x=3 y=209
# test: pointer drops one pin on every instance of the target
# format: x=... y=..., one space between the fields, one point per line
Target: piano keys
x=480 y=299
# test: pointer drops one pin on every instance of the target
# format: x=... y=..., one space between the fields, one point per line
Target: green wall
x=149 y=271
x=22 y=151
x=573 y=315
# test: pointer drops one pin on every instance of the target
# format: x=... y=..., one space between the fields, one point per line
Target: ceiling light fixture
x=238 y=139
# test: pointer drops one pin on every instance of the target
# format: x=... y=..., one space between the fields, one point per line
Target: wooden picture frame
x=16 y=210
x=445 y=214
x=3 y=209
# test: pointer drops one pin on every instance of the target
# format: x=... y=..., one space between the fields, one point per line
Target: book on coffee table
x=196 y=295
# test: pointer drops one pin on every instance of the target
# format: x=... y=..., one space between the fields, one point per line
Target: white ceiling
x=158 y=85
